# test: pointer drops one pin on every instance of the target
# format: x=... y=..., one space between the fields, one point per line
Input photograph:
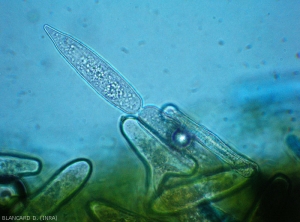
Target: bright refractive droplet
x=181 y=138
x=209 y=140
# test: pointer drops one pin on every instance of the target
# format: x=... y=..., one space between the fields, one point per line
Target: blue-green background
x=232 y=66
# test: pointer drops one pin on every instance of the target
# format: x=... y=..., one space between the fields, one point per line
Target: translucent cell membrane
x=178 y=131
x=13 y=165
x=158 y=158
x=59 y=189
x=212 y=142
x=104 y=212
x=97 y=72
x=184 y=171
x=150 y=135
x=198 y=191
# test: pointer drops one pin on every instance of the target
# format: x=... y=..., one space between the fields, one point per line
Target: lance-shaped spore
x=97 y=72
